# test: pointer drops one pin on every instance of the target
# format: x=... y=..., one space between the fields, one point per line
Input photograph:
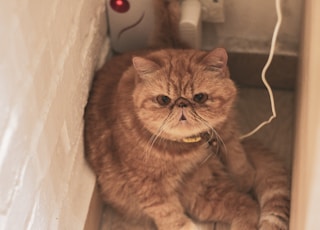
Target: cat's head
x=182 y=93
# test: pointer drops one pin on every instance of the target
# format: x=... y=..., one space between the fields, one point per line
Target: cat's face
x=180 y=94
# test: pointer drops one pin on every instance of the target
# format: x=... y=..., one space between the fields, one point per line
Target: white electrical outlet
x=212 y=11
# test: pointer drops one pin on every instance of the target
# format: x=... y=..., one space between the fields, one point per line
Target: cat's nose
x=182 y=102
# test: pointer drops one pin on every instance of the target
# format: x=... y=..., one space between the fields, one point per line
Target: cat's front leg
x=211 y=195
x=187 y=225
x=170 y=215
x=271 y=187
x=234 y=208
x=239 y=166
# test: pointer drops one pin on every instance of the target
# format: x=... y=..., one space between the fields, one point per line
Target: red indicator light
x=120 y=6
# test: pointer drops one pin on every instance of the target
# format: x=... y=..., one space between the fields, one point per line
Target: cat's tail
x=271 y=187
x=166 y=32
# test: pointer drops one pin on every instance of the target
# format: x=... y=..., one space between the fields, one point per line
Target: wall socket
x=212 y=11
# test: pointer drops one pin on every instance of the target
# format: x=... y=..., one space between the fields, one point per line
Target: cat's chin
x=179 y=133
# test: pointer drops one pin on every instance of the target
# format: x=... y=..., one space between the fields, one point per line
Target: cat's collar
x=197 y=138
x=192 y=139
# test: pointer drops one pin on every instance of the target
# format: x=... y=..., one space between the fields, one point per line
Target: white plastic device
x=131 y=23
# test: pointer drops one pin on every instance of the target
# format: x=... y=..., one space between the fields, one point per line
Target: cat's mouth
x=188 y=128
x=182 y=117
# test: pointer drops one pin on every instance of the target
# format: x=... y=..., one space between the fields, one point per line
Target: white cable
x=265 y=68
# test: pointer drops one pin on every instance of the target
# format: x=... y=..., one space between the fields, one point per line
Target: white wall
x=48 y=52
x=306 y=172
x=249 y=25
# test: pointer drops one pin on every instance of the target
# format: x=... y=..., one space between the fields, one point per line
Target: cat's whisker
x=205 y=123
x=219 y=140
x=156 y=136
x=151 y=142
x=214 y=132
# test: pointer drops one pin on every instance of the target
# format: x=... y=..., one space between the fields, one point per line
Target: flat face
x=182 y=93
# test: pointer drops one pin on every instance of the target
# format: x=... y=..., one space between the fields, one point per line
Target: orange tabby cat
x=160 y=135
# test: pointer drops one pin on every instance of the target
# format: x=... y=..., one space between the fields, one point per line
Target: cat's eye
x=163 y=100
x=200 y=98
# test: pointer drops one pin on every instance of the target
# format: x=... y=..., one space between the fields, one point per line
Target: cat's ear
x=144 y=66
x=216 y=60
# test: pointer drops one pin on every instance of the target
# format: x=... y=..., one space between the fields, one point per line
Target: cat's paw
x=275 y=214
x=190 y=226
x=247 y=221
x=273 y=222
x=186 y=225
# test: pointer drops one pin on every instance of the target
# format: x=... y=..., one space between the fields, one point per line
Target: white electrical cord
x=265 y=68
